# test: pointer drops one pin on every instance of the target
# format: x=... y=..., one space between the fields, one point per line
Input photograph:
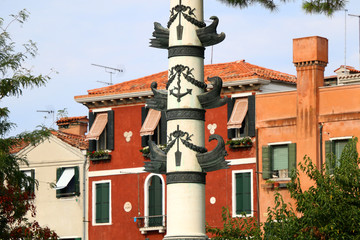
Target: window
x=278 y=160
x=154 y=127
x=336 y=147
x=67 y=182
x=241 y=117
x=101 y=133
x=29 y=185
x=242 y=193
x=154 y=201
x=101 y=202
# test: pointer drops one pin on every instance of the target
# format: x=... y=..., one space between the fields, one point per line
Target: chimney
x=73 y=125
x=310 y=56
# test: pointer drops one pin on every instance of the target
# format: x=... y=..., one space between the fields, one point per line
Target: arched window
x=154 y=201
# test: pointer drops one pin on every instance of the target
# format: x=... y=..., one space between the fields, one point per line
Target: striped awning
x=150 y=123
x=98 y=126
x=238 y=113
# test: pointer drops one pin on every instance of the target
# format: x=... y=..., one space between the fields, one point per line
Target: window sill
x=103 y=158
x=144 y=230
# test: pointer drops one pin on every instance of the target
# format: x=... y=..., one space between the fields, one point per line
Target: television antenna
x=48 y=112
x=109 y=70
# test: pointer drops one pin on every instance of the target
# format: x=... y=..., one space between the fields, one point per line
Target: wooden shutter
x=329 y=156
x=292 y=158
x=59 y=171
x=92 y=143
x=144 y=139
x=243 y=193
x=32 y=187
x=230 y=106
x=77 y=181
x=163 y=128
x=110 y=131
x=266 y=162
x=155 y=201
x=102 y=203
x=251 y=116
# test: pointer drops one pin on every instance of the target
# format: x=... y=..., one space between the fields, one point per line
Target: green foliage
x=327 y=7
x=329 y=209
x=235 y=228
x=15 y=203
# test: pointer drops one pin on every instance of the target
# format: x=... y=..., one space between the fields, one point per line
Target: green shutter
x=32 y=188
x=110 y=131
x=230 y=106
x=144 y=139
x=163 y=128
x=243 y=193
x=329 y=156
x=59 y=171
x=266 y=162
x=102 y=203
x=155 y=201
x=92 y=143
x=77 y=181
x=251 y=116
x=292 y=158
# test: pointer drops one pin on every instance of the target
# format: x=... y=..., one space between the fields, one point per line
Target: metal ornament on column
x=185 y=160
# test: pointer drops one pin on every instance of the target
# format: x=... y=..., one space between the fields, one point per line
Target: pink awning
x=238 y=113
x=150 y=123
x=98 y=126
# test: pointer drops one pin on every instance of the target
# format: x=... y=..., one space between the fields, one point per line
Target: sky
x=71 y=35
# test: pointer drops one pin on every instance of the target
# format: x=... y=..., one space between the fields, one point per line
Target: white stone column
x=185 y=126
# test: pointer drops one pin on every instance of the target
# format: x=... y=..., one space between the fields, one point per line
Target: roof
x=78 y=141
x=232 y=71
x=350 y=68
x=67 y=120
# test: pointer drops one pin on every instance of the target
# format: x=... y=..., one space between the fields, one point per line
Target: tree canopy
x=15 y=199
x=327 y=7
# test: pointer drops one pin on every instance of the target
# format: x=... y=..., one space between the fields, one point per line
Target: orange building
x=313 y=120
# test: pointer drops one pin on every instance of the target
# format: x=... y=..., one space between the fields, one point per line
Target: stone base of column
x=202 y=237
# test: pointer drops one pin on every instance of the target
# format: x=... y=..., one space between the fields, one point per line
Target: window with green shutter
x=278 y=160
x=243 y=194
x=333 y=150
x=106 y=138
x=29 y=185
x=102 y=202
x=155 y=202
x=72 y=187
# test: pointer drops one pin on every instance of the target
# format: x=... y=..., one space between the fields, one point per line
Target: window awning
x=65 y=178
x=238 y=113
x=150 y=123
x=98 y=126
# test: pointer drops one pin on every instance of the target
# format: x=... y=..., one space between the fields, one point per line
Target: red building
x=126 y=201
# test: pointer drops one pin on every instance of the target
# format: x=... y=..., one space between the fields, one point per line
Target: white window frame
x=234 y=192
x=146 y=198
x=94 y=203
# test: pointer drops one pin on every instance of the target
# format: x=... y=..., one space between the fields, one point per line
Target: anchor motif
x=188 y=14
x=178 y=71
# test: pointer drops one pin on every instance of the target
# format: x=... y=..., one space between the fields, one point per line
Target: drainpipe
x=257 y=177
x=321 y=149
x=84 y=196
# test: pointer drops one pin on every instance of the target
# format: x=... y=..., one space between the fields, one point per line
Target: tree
x=330 y=209
x=15 y=201
x=327 y=7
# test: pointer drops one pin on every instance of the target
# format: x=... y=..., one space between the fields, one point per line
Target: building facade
x=58 y=164
x=126 y=201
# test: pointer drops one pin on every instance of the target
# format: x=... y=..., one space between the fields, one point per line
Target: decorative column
x=185 y=160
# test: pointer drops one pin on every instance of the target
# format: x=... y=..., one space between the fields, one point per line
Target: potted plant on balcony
x=99 y=155
x=245 y=142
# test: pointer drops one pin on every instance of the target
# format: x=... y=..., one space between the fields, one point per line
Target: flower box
x=245 y=142
x=101 y=158
x=99 y=155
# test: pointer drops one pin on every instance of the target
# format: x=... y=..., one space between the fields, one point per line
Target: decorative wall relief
x=128 y=136
x=212 y=128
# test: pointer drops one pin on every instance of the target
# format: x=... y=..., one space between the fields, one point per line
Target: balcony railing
x=151 y=223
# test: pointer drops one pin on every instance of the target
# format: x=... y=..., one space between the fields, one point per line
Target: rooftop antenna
x=358 y=16
x=345 y=11
x=109 y=70
x=48 y=112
